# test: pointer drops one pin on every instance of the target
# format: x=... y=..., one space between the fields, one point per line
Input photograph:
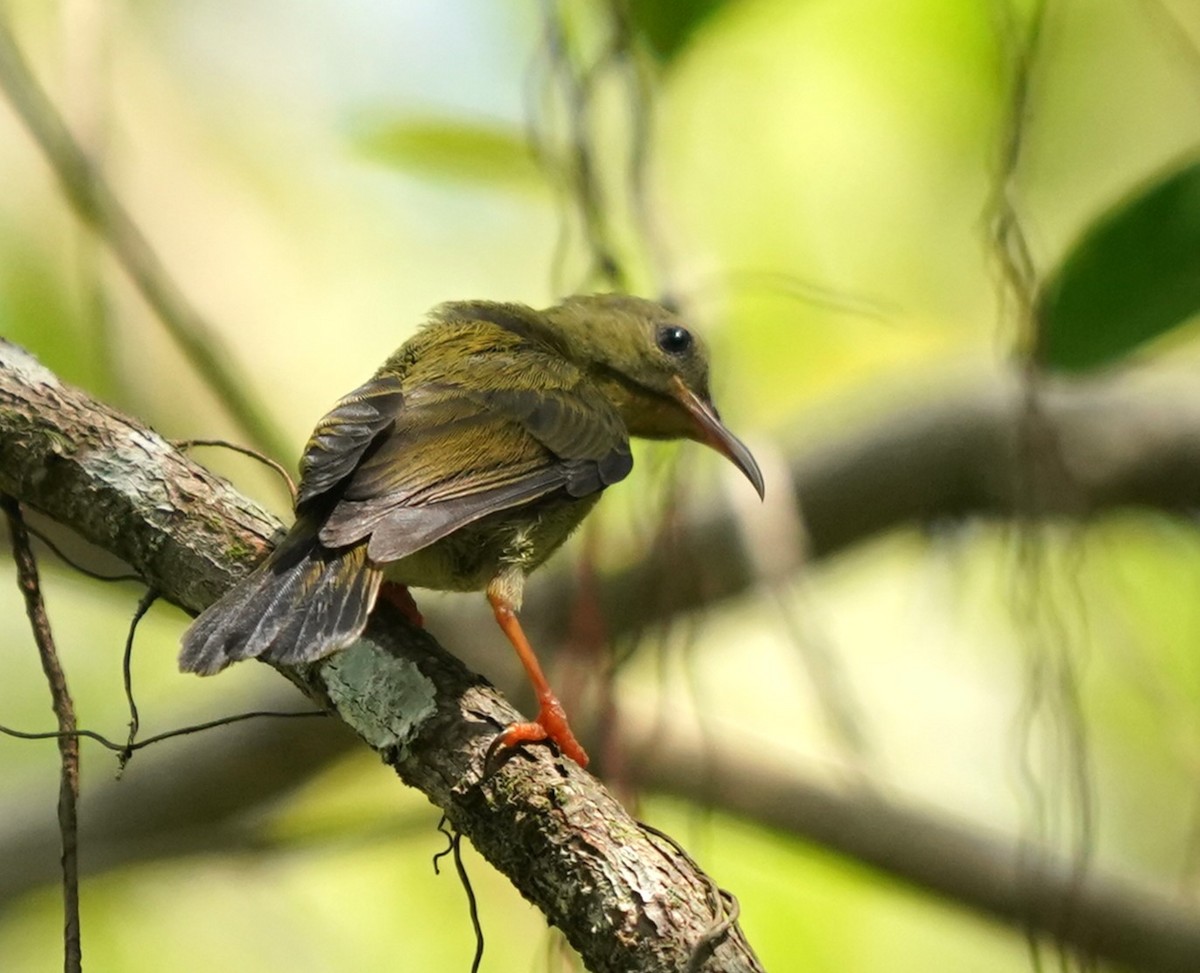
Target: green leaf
x=1134 y=276
x=668 y=25
x=487 y=153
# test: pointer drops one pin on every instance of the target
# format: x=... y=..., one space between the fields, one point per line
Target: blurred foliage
x=1134 y=276
x=454 y=150
x=667 y=27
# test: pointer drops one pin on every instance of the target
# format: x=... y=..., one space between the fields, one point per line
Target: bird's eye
x=673 y=339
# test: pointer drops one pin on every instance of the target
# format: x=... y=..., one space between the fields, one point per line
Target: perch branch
x=623 y=899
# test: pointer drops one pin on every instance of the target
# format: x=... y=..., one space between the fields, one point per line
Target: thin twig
x=263 y=458
x=631 y=56
x=148 y=599
x=1051 y=694
x=97 y=206
x=1010 y=251
x=68 y=745
x=454 y=848
x=62 y=556
x=577 y=83
x=797 y=288
x=123 y=748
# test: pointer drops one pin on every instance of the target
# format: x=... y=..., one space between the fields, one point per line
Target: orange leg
x=551 y=722
x=399 y=597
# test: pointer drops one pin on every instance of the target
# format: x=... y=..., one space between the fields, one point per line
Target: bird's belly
x=469 y=558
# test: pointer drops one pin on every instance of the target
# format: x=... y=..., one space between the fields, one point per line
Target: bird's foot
x=400 y=598
x=551 y=724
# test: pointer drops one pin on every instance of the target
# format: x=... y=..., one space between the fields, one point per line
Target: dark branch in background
x=1129 y=441
x=96 y=205
x=623 y=902
x=1134 y=442
x=1097 y=916
x=64 y=712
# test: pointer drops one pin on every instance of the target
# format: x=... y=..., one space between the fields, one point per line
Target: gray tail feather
x=304 y=602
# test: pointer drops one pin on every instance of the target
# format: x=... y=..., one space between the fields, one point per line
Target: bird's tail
x=302 y=603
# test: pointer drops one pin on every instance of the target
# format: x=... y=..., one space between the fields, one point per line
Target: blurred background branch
x=94 y=202
x=215 y=794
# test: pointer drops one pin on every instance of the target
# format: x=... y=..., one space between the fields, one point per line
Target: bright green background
x=318 y=175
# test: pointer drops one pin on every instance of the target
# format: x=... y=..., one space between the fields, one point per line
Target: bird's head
x=652 y=366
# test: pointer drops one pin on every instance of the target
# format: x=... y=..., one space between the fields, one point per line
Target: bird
x=462 y=465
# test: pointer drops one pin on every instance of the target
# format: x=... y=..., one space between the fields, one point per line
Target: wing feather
x=344 y=435
x=447 y=439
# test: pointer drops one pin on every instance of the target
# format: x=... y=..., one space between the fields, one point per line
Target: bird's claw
x=550 y=727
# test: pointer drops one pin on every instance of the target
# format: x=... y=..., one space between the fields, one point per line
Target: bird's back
x=473 y=452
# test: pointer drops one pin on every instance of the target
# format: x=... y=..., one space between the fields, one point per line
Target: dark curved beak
x=712 y=432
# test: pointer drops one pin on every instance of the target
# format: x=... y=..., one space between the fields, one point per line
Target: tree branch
x=1120 y=441
x=1091 y=914
x=624 y=899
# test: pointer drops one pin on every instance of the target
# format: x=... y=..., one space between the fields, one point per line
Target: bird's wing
x=343 y=437
x=470 y=444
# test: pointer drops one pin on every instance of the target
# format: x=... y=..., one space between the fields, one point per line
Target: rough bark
x=625 y=899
